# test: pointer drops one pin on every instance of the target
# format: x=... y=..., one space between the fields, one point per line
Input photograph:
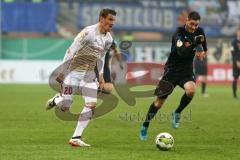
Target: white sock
x=83 y=121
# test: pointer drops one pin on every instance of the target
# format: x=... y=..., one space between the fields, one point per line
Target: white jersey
x=88 y=47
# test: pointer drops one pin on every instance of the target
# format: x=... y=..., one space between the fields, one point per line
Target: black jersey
x=183 y=50
x=235 y=50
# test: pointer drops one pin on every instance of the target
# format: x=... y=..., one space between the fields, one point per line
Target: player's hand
x=201 y=55
x=60 y=78
x=198 y=39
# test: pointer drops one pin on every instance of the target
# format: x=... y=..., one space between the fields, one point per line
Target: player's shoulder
x=180 y=29
x=109 y=37
x=200 y=30
x=86 y=32
x=82 y=34
x=91 y=27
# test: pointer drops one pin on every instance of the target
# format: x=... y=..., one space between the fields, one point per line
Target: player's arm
x=200 y=53
x=81 y=39
x=101 y=63
x=201 y=49
x=119 y=57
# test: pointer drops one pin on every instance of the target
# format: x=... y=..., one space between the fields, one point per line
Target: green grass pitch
x=210 y=128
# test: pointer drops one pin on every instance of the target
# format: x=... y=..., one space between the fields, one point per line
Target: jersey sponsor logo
x=179 y=43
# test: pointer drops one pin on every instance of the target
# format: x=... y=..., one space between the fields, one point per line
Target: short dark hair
x=104 y=12
x=194 y=16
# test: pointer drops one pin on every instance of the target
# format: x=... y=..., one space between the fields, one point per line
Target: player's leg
x=51 y=102
x=89 y=92
x=236 y=73
x=68 y=88
x=203 y=80
x=162 y=91
x=152 y=111
x=83 y=120
x=234 y=87
x=190 y=88
x=201 y=70
x=204 y=85
x=107 y=88
x=114 y=76
x=204 y=74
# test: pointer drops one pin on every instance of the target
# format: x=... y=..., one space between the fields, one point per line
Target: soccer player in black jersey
x=235 y=50
x=187 y=42
x=108 y=85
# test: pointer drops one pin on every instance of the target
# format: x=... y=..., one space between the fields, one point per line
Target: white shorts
x=80 y=83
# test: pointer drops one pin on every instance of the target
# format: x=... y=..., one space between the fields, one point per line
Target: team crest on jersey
x=83 y=34
x=179 y=43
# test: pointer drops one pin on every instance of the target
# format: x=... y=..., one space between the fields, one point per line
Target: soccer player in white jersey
x=90 y=46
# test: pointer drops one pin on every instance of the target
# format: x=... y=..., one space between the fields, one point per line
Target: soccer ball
x=164 y=141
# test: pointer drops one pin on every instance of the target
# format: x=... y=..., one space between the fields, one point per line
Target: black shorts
x=170 y=81
x=236 y=72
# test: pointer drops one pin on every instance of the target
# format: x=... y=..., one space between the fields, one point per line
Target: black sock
x=77 y=137
x=203 y=87
x=185 y=100
x=234 y=88
x=151 y=113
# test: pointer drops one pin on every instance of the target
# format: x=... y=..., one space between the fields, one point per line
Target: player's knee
x=64 y=108
x=190 y=93
x=91 y=105
x=65 y=105
x=190 y=89
x=108 y=87
x=159 y=102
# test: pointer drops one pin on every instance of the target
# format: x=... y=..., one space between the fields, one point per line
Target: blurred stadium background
x=34 y=37
x=39 y=31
